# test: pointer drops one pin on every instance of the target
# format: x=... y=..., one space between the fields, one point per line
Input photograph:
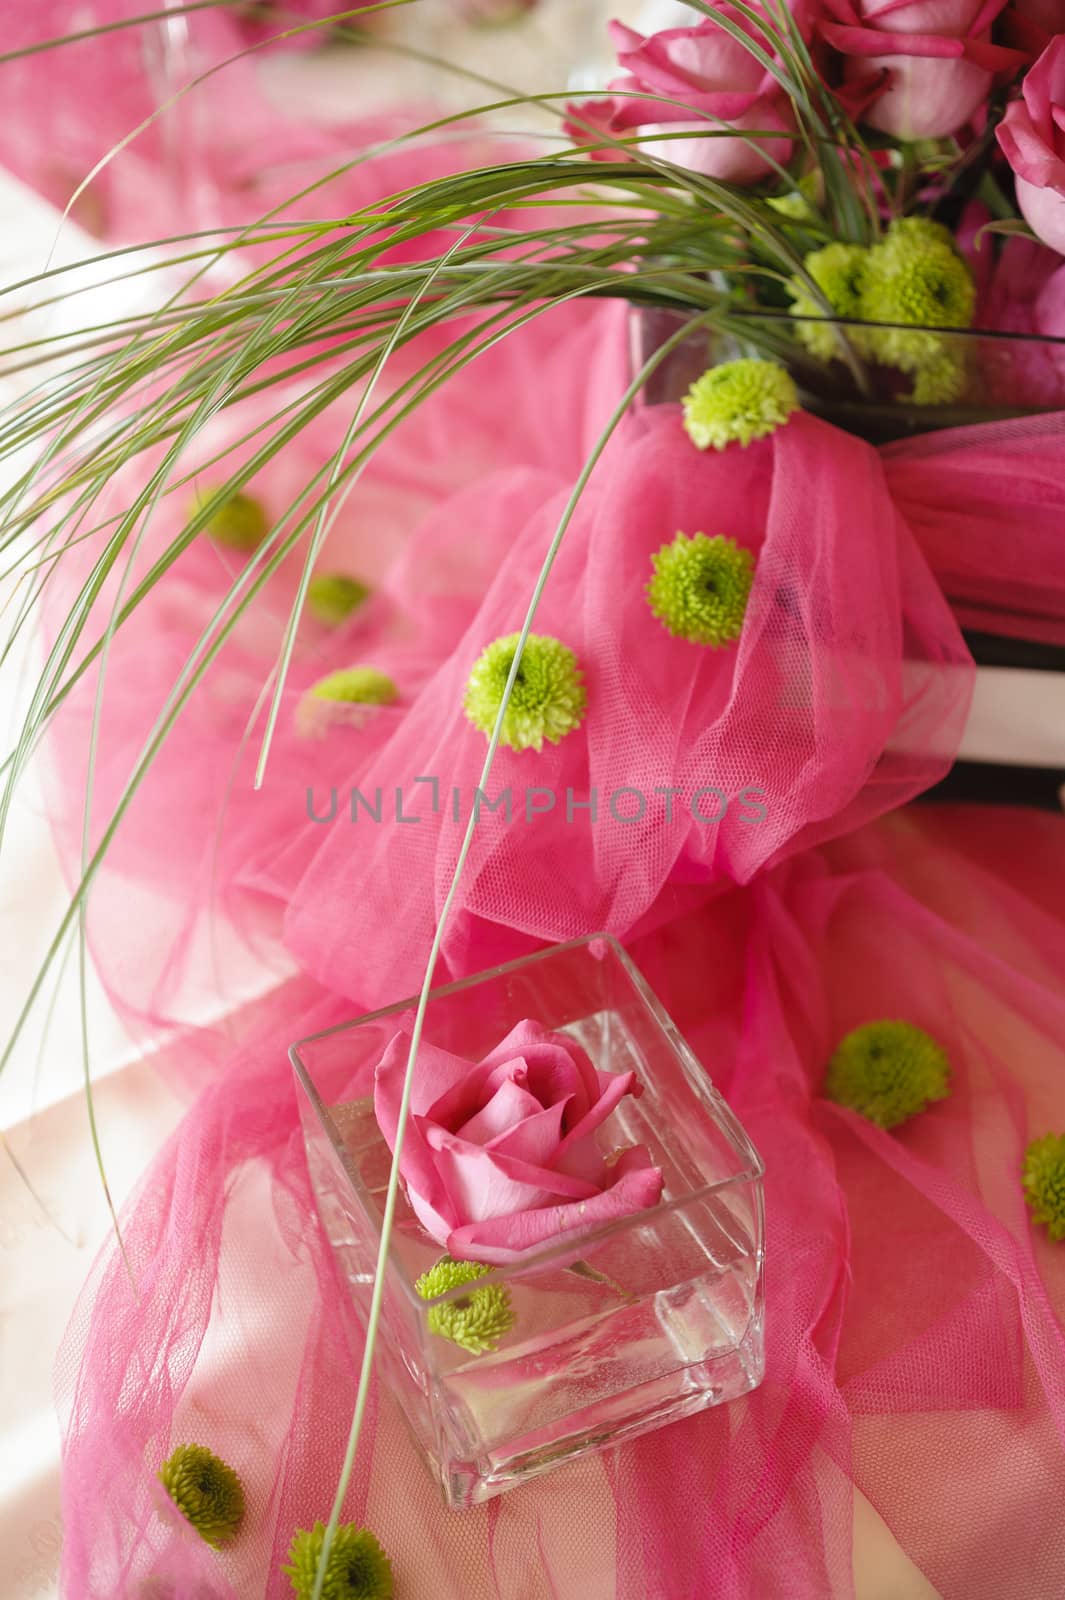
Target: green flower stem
x=392 y=1190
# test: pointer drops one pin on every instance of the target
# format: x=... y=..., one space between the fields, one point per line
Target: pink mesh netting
x=187 y=129
x=987 y=506
x=844 y=697
x=912 y=1412
x=198 y=844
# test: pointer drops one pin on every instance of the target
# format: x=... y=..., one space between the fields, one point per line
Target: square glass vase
x=652 y=1317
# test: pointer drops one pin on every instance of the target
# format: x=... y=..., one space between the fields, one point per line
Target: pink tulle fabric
x=915 y=1336
x=178 y=118
x=913 y=1406
x=915 y=1340
x=232 y=854
x=845 y=696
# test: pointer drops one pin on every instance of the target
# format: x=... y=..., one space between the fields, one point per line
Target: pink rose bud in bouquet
x=710 y=86
x=1035 y=23
x=1032 y=136
x=925 y=67
x=501 y=1155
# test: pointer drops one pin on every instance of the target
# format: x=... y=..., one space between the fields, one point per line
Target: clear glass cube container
x=651 y=1317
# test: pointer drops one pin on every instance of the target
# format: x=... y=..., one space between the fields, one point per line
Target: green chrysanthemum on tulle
x=363 y=686
x=357 y=1568
x=888 y=1072
x=237 y=521
x=838 y=271
x=737 y=402
x=476 y=1321
x=915 y=277
x=1043 y=1181
x=548 y=699
x=332 y=597
x=700 y=588
x=205 y=1490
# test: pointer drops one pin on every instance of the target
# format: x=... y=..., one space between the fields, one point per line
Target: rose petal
x=509 y=1105
x=485 y=1183
x=614 y=1087
x=503 y=1239
x=481 y=1081
x=435 y=1071
x=536 y=1139
x=417 y=1165
x=557 y=1066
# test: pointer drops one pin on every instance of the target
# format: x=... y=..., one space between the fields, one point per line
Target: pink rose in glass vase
x=926 y=66
x=1032 y=136
x=721 y=91
x=501 y=1155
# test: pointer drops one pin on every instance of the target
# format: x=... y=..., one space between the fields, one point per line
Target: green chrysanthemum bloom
x=838 y=271
x=476 y=1321
x=205 y=1490
x=940 y=381
x=915 y=277
x=357 y=1568
x=1043 y=1180
x=700 y=588
x=737 y=402
x=919 y=231
x=888 y=1072
x=548 y=700
x=333 y=597
x=356 y=686
x=237 y=521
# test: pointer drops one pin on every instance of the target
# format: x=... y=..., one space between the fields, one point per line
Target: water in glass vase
x=652 y=1317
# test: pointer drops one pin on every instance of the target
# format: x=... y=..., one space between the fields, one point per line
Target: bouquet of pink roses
x=911 y=153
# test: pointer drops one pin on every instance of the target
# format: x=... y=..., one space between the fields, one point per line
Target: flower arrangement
x=836 y=193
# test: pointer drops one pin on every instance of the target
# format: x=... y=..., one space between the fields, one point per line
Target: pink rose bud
x=927 y=66
x=719 y=90
x=1032 y=136
x=501 y=1155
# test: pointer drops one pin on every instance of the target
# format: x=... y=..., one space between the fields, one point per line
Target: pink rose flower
x=500 y=1155
x=1032 y=136
x=1031 y=24
x=718 y=83
x=928 y=65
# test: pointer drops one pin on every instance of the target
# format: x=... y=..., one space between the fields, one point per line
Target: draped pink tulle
x=915 y=1351
x=170 y=127
x=845 y=696
x=913 y=1409
x=913 y=1405
x=229 y=850
x=987 y=505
